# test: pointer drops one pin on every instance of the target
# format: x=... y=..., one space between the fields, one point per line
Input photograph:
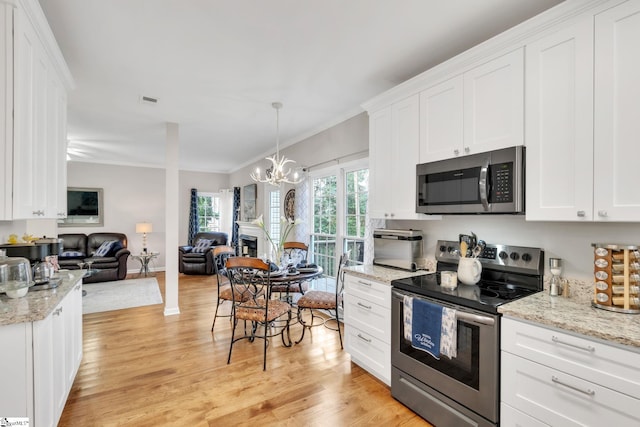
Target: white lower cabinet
x=560 y=379
x=367 y=325
x=40 y=362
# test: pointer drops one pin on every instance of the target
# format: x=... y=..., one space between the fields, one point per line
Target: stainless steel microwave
x=484 y=183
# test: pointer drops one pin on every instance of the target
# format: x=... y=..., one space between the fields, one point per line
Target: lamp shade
x=144 y=227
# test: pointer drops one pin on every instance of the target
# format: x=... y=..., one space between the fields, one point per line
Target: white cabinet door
x=6 y=110
x=394 y=138
x=15 y=370
x=405 y=134
x=30 y=122
x=56 y=149
x=72 y=311
x=617 y=114
x=441 y=121
x=559 y=131
x=379 y=155
x=494 y=104
x=48 y=368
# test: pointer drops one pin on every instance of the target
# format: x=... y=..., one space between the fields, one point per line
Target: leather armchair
x=190 y=262
x=111 y=267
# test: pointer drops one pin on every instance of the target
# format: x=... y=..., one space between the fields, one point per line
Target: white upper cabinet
x=480 y=110
x=6 y=110
x=394 y=138
x=441 y=120
x=559 y=131
x=39 y=117
x=617 y=114
x=583 y=105
x=494 y=104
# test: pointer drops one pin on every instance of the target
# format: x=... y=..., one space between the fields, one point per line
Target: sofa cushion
x=104 y=248
x=72 y=254
x=202 y=245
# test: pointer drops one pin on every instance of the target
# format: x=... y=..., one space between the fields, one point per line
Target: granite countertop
x=577 y=316
x=36 y=305
x=382 y=274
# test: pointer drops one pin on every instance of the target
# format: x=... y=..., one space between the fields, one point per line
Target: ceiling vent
x=148 y=100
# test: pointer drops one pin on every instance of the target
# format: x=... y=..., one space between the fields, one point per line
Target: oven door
x=467 y=385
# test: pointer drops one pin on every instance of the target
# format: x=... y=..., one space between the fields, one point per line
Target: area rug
x=107 y=296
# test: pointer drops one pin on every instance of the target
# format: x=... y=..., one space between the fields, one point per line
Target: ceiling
x=215 y=67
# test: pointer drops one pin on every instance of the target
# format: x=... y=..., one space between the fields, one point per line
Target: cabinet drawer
x=612 y=367
x=560 y=399
x=368 y=317
x=379 y=293
x=511 y=417
x=369 y=353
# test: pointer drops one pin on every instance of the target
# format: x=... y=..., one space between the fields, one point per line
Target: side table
x=145 y=258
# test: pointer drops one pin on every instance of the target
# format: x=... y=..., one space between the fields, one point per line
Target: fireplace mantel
x=250 y=229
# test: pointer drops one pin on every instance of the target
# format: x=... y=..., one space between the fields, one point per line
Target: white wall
x=567 y=240
x=137 y=194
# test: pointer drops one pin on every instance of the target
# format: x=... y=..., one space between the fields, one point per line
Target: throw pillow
x=115 y=248
x=104 y=248
x=202 y=245
x=72 y=254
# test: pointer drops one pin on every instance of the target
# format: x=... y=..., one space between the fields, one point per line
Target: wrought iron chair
x=321 y=300
x=294 y=252
x=220 y=256
x=273 y=317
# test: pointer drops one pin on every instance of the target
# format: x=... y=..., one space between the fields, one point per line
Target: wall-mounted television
x=84 y=208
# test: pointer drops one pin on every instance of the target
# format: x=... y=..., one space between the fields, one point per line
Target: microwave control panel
x=502 y=179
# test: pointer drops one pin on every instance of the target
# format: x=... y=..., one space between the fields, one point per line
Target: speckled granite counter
x=577 y=315
x=36 y=305
x=381 y=274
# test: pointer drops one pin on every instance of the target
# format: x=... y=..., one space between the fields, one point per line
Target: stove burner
x=489 y=293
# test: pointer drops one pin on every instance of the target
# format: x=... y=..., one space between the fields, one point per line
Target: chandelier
x=278 y=172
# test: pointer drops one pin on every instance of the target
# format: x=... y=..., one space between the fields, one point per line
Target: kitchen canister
x=616 y=270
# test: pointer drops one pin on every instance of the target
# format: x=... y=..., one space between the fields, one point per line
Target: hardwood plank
x=144 y=369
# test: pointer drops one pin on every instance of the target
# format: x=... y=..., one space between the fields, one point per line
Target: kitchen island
x=42 y=349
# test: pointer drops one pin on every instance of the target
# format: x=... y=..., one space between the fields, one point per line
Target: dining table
x=283 y=277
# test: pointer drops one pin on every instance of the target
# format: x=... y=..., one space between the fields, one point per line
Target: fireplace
x=248 y=245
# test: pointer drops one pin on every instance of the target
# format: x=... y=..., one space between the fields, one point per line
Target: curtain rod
x=337 y=160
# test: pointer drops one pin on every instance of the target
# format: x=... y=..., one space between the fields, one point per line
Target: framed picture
x=249 y=202
x=84 y=208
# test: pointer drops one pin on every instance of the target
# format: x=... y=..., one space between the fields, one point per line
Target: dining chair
x=255 y=305
x=220 y=256
x=295 y=252
x=327 y=301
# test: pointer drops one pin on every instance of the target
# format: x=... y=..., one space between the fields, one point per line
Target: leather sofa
x=79 y=247
x=194 y=260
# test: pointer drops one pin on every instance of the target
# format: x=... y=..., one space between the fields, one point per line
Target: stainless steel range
x=461 y=390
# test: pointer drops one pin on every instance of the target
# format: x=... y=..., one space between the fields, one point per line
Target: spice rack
x=617 y=277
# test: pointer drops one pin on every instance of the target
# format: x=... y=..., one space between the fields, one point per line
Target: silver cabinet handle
x=386 y=214
x=581 y=213
x=466 y=149
x=602 y=213
x=588 y=391
x=364 y=339
x=77 y=287
x=38 y=213
x=588 y=348
x=456 y=151
x=364 y=283
x=58 y=311
x=368 y=307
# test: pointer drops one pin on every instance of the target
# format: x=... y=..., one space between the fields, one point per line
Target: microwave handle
x=482 y=186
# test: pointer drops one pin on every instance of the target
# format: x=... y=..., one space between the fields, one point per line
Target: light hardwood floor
x=141 y=368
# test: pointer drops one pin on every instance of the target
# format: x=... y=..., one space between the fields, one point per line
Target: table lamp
x=144 y=228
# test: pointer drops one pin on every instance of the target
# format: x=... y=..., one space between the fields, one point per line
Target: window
x=339 y=211
x=208 y=212
x=274 y=214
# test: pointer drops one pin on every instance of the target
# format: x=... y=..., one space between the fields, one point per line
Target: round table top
x=301 y=276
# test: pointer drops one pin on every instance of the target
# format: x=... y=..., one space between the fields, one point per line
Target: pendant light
x=278 y=172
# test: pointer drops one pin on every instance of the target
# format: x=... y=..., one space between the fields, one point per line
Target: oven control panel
x=497 y=257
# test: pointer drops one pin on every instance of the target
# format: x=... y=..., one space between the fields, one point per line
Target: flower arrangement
x=286 y=226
